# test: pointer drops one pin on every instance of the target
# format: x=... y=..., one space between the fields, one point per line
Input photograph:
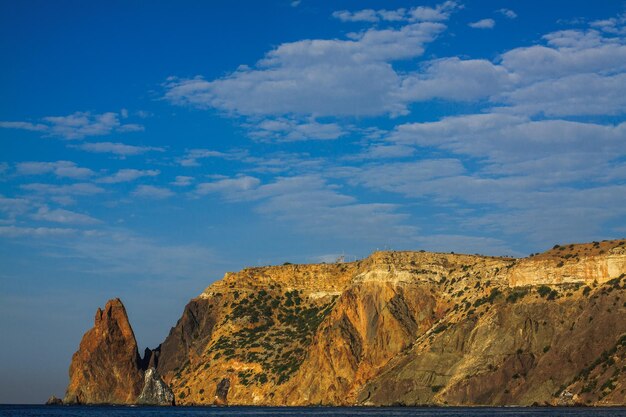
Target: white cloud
x=192 y=156
x=12 y=207
x=579 y=94
x=127 y=175
x=297 y=83
x=315 y=77
x=576 y=73
x=415 y=14
x=508 y=13
x=483 y=24
x=64 y=190
x=309 y=204
x=506 y=139
x=63 y=216
x=568 y=52
x=16 y=232
x=120 y=149
x=152 y=192
x=182 y=181
x=513 y=156
x=62 y=169
x=614 y=25
x=35 y=127
x=456 y=79
x=367 y=15
x=289 y=130
x=228 y=186
x=284 y=163
x=81 y=124
x=543 y=179
x=440 y=12
x=77 y=125
x=402 y=177
x=383 y=151
x=143 y=114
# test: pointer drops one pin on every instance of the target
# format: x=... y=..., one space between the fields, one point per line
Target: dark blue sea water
x=43 y=411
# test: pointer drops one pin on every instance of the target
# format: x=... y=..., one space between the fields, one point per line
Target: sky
x=146 y=148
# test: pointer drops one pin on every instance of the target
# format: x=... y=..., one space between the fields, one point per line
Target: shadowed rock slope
x=408 y=328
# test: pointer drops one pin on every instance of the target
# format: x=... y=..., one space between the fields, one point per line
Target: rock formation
x=106 y=368
x=155 y=391
x=221 y=392
x=409 y=328
x=54 y=401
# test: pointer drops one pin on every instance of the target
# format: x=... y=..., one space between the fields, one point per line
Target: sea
x=77 y=411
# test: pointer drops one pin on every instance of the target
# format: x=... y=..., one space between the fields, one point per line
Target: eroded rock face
x=413 y=328
x=521 y=352
x=221 y=392
x=155 y=391
x=106 y=369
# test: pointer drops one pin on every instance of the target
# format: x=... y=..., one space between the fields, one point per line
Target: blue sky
x=147 y=148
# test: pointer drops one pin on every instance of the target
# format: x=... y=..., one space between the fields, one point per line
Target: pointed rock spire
x=106 y=369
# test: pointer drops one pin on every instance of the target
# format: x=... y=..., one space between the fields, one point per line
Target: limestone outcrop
x=155 y=391
x=585 y=264
x=400 y=328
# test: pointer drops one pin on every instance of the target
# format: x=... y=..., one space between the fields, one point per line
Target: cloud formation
x=193 y=156
x=63 y=216
x=574 y=72
x=120 y=149
x=77 y=125
x=315 y=77
x=128 y=174
x=289 y=130
x=483 y=24
x=30 y=232
x=152 y=192
x=61 y=169
x=508 y=13
x=440 y=12
x=310 y=204
x=518 y=150
x=64 y=190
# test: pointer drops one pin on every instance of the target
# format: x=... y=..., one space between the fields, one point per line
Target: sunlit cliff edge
x=396 y=328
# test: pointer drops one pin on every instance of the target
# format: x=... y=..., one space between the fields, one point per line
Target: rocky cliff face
x=584 y=264
x=409 y=328
x=106 y=367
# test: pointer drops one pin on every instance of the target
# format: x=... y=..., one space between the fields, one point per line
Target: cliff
x=107 y=368
x=406 y=328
